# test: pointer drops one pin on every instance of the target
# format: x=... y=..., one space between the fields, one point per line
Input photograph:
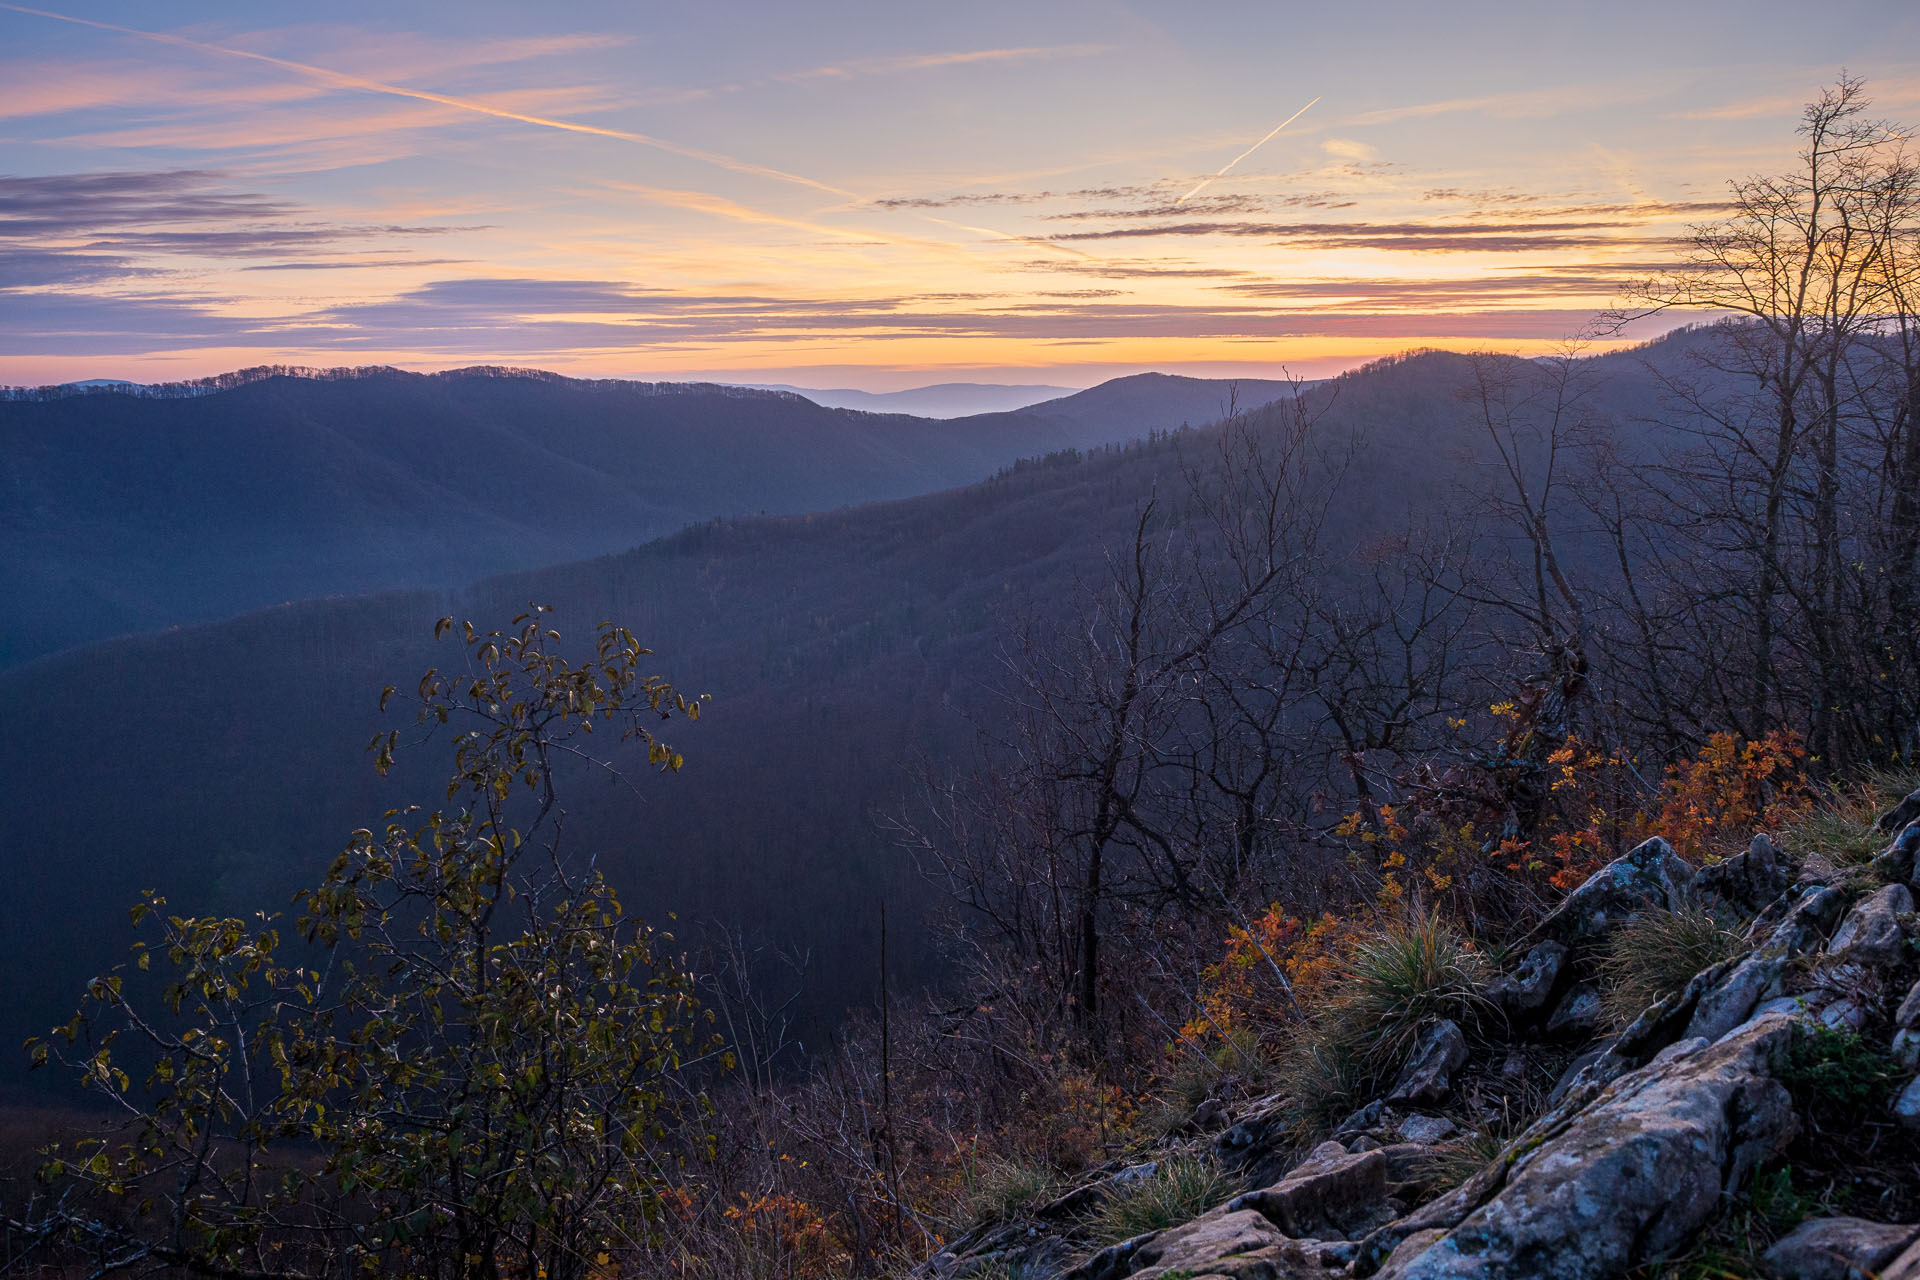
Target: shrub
x=1390 y=985
x=1180 y=1190
x=1713 y=803
x=1836 y=1075
x=479 y=1076
x=1652 y=957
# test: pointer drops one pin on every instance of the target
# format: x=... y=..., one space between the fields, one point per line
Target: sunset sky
x=871 y=194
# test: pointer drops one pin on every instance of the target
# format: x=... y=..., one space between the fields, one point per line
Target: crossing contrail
x=345 y=80
x=1207 y=182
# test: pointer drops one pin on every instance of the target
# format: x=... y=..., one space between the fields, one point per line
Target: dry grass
x=1657 y=955
x=1180 y=1190
x=1841 y=830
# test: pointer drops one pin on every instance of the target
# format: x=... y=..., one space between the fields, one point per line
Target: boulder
x=1732 y=1000
x=1371 y=1116
x=1333 y=1196
x=1907 y=1016
x=1427 y=1130
x=1837 y=1249
x=1525 y=992
x=1747 y=881
x=1649 y=877
x=1579 y=1016
x=1252 y=1137
x=1609 y=1182
x=1196 y=1246
x=1440 y=1051
x=1906 y=1266
x=1807 y=919
x=1234 y=1243
x=1897 y=818
x=1902 y=858
x=1906 y=1048
x=1906 y=1107
x=1085 y=1199
x=1871 y=933
x=1209 y=1117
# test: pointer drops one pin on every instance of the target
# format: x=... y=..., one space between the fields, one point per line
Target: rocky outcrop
x=1649 y=1135
x=1745 y=882
x=1626 y=1179
x=1649 y=877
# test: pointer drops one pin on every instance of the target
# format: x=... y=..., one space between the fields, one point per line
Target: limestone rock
x=1837 y=1249
x=1896 y=818
x=1906 y=1048
x=1371 y=1116
x=1732 y=1000
x=1426 y=1130
x=1871 y=933
x=1598 y=1189
x=1253 y=1135
x=1902 y=858
x=1906 y=1107
x=1747 y=881
x=1085 y=1199
x=1209 y=1117
x=1578 y=1016
x=1334 y=1195
x=1440 y=1051
x=1649 y=877
x=1194 y=1248
x=1525 y=991
x=1808 y=918
x=1906 y=1266
x=1907 y=1016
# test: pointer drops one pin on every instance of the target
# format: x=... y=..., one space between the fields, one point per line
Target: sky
x=874 y=195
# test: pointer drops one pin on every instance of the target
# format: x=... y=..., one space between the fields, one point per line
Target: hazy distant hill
x=224 y=764
x=941 y=400
x=127 y=512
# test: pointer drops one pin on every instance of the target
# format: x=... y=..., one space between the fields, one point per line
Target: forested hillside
x=132 y=512
x=838 y=648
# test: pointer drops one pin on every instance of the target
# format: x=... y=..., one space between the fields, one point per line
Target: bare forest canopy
x=1322 y=598
x=136 y=508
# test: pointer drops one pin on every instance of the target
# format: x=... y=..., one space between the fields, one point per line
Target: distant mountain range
x=941 y=400
x=136 y=508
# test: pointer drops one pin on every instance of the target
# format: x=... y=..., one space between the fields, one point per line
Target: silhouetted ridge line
x=193 y=387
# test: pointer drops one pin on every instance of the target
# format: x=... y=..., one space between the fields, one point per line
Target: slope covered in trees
x=223 y=763
x=126 y=512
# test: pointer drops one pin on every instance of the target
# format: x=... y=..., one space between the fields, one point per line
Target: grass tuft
x=1180 y=1190
x=1656 y=955
x=1395 y=984
x=1401 y=980
x=1001 y=1189
x=1841 y=831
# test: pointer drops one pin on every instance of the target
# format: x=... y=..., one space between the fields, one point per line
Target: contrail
x=348 y=81
x=1205 y=183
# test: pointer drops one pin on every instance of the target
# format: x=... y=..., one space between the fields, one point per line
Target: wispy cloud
x=1494 y=237
x=1527 y=102
x=90 y=228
